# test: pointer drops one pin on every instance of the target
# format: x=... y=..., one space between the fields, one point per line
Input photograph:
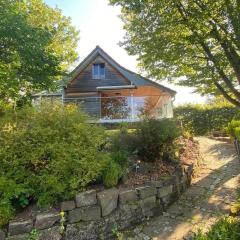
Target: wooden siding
x=138 y=92
x=92 y=106
x=88 y=102
x=85 y=83
x=82 y=94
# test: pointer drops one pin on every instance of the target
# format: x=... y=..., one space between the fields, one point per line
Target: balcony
x=124 y=108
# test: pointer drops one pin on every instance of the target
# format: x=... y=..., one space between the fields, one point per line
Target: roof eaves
x=85 y=61
x=131 y=76
x=135 y=75
x=160 y=85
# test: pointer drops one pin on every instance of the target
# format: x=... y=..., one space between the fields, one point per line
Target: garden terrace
x=37 y=173
x=93 y=214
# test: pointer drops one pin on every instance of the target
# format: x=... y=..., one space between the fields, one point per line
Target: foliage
x=62 y=221
x=33 y=235
x=33 y=41
x=193 y=43
x=4 y=107
x=116 y=168
x=234 y=129
x=120 y=157
x=47 y=154
x=64 y=34
x=204 y=119
x=150 y=138
x=226 y=228
x=122 y=139
x=235 y=208
x=112 y=174
x=117 y=234
x=153 y=136
x=237 y=116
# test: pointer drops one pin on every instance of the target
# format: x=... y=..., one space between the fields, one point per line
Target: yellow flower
x=62 y=214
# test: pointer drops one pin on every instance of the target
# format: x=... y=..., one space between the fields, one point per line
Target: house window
x=98 y=71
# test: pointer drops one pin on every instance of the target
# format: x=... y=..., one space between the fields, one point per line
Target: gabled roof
x=134 y=78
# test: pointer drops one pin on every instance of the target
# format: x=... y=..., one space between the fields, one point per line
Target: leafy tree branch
x=192 y=43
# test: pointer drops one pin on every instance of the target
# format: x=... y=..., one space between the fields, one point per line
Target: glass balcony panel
x=124 y=108
x=116 y=108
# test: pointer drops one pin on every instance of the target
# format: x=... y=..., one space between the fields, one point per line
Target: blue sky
x=99 y=24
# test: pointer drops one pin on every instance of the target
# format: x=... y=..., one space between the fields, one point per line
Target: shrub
x=46 y=155
x=234 y=129
x=112 y=174
x=122 y=139
x=153 y=136
x=226 y=228
x=204 y=119
x=4 y=107
x=117 y=166
x=235 y=208
x=121 y=158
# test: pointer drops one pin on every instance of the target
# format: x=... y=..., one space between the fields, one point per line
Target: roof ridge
x=84 y=59
x=147 y=79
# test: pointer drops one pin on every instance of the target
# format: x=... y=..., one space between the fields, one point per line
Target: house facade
x=110 y=93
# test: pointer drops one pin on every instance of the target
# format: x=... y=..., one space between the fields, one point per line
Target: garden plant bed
x=90 y=170
x=189 y=151
x=188 y=155
x=144 y=193
x=96 y=215
x=152 y=171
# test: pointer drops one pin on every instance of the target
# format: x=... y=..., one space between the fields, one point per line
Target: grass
x=112 y=132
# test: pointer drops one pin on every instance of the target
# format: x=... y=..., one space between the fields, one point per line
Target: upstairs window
x=98 y=71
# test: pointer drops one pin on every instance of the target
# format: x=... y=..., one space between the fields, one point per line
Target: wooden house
x=111 y=93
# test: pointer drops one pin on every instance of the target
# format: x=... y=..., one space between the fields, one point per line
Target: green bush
x=112 y=174
x=235 y=208
x=234 y=129
x=204 y=119
x=153 y=136
x=116 y=168
x=122 y=139
x=46 y=155
x=121 y=158
x=227 y=228
x=4 y=107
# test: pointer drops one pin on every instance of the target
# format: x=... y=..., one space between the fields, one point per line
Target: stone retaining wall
x=94 y=215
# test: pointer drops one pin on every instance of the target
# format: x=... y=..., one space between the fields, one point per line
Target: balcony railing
x=122 y=108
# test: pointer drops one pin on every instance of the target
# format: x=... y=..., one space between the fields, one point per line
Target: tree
x=37 y=45
x=64 y=36
x=192 y=43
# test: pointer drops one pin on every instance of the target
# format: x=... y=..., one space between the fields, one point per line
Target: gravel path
x=209 y=197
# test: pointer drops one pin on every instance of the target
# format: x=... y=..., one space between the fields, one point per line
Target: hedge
x=204 y=119
x=234 y=129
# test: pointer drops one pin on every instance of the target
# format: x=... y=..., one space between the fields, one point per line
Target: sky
x=99 y=24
